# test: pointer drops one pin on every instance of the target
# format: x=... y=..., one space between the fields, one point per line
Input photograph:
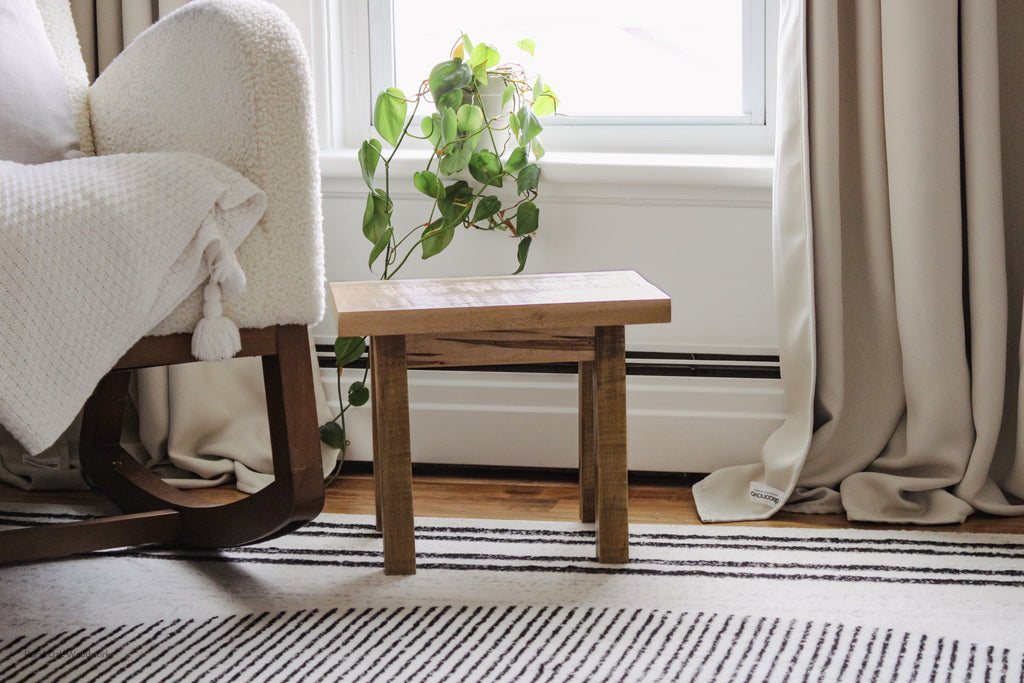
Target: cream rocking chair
x=226 y=79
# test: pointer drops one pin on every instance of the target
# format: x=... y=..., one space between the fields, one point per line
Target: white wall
x=705 y=240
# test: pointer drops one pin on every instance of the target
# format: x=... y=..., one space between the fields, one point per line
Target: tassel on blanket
x=216 y=337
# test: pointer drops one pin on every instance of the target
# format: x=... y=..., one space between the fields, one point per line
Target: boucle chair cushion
x=36 y=123
x=229 y=79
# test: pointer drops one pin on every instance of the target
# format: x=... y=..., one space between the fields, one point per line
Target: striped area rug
x=519 y=601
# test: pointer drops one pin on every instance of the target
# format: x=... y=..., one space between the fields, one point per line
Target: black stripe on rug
x=823 y=558
x=541 y=644
x=751 y=571
x=586 y=537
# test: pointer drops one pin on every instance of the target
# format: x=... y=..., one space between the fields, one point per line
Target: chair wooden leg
x=106 y=465
x=294 y=429
x=159 y=513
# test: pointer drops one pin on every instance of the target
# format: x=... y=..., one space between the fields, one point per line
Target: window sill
x=728 y=170
x=665 y=179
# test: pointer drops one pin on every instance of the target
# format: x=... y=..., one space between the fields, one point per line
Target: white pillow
x=36 y=124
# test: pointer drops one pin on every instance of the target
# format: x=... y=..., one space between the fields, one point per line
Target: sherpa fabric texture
x=96 y=251
x=228 y=79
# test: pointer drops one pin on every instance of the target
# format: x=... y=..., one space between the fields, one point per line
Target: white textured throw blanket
x=94 y=252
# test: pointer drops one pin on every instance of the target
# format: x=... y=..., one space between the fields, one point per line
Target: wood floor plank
x=531 y=496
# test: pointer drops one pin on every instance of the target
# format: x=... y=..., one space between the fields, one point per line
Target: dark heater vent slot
x=648 y=363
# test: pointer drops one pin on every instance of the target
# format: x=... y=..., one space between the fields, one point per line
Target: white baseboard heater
x=686 y=412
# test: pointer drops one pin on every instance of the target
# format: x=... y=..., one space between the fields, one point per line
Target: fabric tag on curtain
x=765 y=494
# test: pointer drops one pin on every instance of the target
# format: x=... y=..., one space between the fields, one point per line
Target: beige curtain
x=106 y=26
x=897 y=287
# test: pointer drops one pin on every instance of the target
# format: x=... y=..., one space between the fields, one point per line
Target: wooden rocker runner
x=159 y=513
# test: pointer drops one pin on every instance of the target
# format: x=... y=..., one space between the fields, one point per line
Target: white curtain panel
x=899 y=326
x=106 y=26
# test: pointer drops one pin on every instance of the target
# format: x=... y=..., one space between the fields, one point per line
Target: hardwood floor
x=529 y=495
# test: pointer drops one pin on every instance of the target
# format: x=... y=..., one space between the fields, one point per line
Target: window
x=644 y=76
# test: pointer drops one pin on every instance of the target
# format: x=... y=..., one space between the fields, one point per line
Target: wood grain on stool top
x=508 y=302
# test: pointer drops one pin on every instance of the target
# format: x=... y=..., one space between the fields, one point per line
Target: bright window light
x=632 y=76
x=603 y=58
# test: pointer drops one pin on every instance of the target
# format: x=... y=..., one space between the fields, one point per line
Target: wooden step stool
x=507 y=320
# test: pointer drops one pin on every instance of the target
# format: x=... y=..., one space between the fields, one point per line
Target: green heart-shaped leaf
x=538 y=149
x=448 y=76
x=455 y=203
x=380 y=245
x=470 y=118
x=484 y=54
x=437 y=237
x=528 y=179
x=375 y=217
x=333 y=435
x=389 y=114
x=428 y=183
x=526 y=45
x=529 y=125
x=369 y=156
x=449 y=127
x=507 y=94
x=486 y=207
x=431 y=128
x=522 y=253
x=459 y=192
x=358 y=394
x=464 y=48
x=485 y=167
x=348 y=349
x=457 y=156
x=450 y=100
x=527 y=218
x=517 y=160
x=545 y=103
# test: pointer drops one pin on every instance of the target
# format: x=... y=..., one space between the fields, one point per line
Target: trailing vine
x=478 y=148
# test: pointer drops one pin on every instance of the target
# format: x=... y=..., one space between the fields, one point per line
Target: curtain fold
x=106 y=26
x=889 y=115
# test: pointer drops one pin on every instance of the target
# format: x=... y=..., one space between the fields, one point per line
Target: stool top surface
x=431 y=305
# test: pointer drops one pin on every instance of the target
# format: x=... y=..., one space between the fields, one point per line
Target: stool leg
x=587 y=441
x=394 y=453
x=612 y=473
x=375 y=402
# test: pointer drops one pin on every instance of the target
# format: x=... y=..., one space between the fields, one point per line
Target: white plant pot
x=490 y=98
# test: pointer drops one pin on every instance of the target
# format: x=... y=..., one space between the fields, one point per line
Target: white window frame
x=349 y=37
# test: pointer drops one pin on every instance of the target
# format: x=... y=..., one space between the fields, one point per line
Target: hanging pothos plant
x=484 y=134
